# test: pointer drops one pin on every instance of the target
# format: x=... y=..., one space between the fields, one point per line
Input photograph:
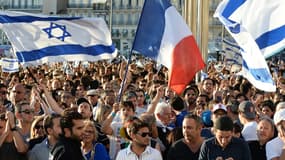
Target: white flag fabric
x=257 y=28
x=38 y=39
x=9 y=65
x=231 y=52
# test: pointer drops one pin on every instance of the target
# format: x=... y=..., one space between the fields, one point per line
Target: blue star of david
x=55 y=26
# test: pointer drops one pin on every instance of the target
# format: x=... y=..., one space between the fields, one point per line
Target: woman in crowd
x=37 y=132
x=101 y=114
x=92 y=150
x=265 y=132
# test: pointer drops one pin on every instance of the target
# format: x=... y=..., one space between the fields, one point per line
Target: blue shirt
x=100 y=153
x=236 y=149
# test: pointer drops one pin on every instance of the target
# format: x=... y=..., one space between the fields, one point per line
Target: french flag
x=163 y=35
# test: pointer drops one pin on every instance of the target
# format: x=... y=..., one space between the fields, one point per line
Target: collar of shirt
x=146 y=151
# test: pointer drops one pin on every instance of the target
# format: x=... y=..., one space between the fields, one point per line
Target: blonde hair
x=35 y=122
x=89 y=123
x=100 y=112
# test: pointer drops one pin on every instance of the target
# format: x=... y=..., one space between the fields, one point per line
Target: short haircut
x=18 y=106
x=137 y=125
x=196 y=118
x=224 y=123
x=127 y=104
x=160 y=107
x=69 y=115
x=48 y=121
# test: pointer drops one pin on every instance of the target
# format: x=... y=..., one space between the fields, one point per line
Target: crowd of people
x=65 y=111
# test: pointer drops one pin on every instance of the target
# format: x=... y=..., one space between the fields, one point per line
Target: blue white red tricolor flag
x=260 y=32
x=38 y=39
x=163 y=35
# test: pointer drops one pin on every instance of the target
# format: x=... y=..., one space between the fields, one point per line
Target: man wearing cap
x=84 y=108
x=93 y=96
x=275 y=149
x=224 y=146
x=218 y=111
x=247 y=119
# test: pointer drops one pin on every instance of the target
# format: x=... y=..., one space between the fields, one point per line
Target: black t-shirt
x=180 y=151
x=257 y=151
x=8 y=151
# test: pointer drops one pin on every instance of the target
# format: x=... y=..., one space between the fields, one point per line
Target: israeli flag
x=231 y=52
x=258 y=29
x=9 y=65
x=38 y=39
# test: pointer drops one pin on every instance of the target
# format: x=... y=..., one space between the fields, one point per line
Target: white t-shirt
x=249 y=131
x=115 y=139
x=274 y=148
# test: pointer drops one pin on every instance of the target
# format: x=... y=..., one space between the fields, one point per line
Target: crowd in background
x=76 y=111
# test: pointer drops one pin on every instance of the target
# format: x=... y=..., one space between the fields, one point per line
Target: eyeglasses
x=39 y=127
x=144 y=134
x=28 y=111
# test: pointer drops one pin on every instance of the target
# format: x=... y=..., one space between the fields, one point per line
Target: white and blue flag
x=259 y=30
x=231 y=52
x=38 y=39
x=9 y=65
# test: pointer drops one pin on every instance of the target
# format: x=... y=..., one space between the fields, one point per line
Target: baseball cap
x=247 y=109
x=224 y=123
x=219 y=107
x=92 y=92
x=279 y=116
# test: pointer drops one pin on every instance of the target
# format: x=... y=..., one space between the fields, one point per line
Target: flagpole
x=129 y=61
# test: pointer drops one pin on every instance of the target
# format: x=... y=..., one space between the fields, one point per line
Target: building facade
x=121 y=15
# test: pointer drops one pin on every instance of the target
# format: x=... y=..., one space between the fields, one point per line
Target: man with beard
x=190 y=95
x=42 y=151
x=68 y=145
x=189 y=146
x=139 y=147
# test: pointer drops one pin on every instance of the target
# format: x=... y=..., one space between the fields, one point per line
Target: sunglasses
x=27 y=111
x=144 y=134
x=39 y=127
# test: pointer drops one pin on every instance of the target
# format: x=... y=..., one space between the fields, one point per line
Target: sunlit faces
x=85 y=110
x=142 y=137
x=126 y=112
x=190 y=96
x=39 y=129
x=27 y=113
x=166 y=116
x=77 y=129
x=190 y=129
x=56 y=129
x=265 y=131
x=223 y=137
x=89 y=134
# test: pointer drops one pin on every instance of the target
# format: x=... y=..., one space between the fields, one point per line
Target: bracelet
x=13 y=129
x=113 y=114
